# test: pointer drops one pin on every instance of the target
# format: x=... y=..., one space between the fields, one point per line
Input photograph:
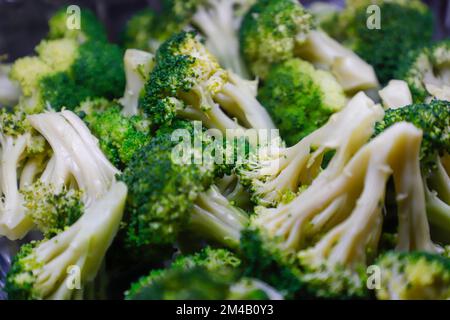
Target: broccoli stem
x=14 y=223
x=31 y=170
x=216 y=20
x=215 y=217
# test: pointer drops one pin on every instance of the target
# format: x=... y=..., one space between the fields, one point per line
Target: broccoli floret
x=39 y=271
x=414 y=275
x=270 y=31
x=66 y=73
x=138 y=65
x=432 y=118
x=405 y=25
x=426 y=71
x=19 y=142
x=168 y=195
x=52 y=210
x=120 y=137
x=139 y=32
x=186 y=82
x=277 y=30
x=90 y=27
x=274 y=173
x=300 y=98
x=76 y=156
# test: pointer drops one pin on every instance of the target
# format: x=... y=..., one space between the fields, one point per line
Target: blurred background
x=23 y=23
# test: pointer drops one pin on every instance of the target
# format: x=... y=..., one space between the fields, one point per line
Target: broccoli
x=91 y=29
x=270 y=31
x=426 y=71
x=120 y=137
x=276 y=30
x=52 y=210
x=217 y=20
x=188 y=82
x=18 y=143
x=66 y=73
x=405 y=25
x=396 y=95
x=274 y=173
x=300 y=98
x=76 y=155
x=138 y=65
x=40 y=269
x=168 y=195
x=9 y=90
x=208 y=274
x=414 y=275
x=433 y=120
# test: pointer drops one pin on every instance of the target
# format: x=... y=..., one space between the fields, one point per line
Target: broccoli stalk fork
x=277 y=171
x=69 y=138
x=39 y=271
x=217 y=21
x=215 y=217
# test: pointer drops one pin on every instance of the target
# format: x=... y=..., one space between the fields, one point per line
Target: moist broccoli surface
x=300 y=98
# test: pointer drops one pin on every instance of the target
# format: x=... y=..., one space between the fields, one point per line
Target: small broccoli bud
x=52 y=211
x=415 y=275
x=90 y=27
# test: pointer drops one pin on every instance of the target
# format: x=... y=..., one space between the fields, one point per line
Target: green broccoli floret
x=90 y=27
x=414 y=275
x=40 y=269
x=188 y=82
x=51 y=210
x=434 y=120
x=20 y=144
x=426 y=71
x=66 y=73
x=275 y=173
x=405 y=25
x=120 y=137
x=300 y=98
x=270 y=31
x=139 y=32
x=169 y=194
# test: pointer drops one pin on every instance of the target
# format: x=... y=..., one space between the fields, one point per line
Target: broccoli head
x=413 y=275
x=270 y=31
x=90 y=27
x=426 y=71
x=300 y=98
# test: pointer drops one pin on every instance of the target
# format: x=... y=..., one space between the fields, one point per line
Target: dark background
x=23 y=23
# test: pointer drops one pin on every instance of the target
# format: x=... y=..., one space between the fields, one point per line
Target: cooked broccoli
x=270 y=31
x=66 y=73
x=120 y=137
x=405 y=25
x=9 y=89
x=427 y=71
x=300 y=98
x=276 y=30
x=91 y=29
x=41 y=269
x=18 y=143
x=167 y=194
x=396 y=95
x=434 y=120
x=138 y=65
x=274 y=173
x=52 y=210
x=414 y=275
x=188 y=82
x=217 y=20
